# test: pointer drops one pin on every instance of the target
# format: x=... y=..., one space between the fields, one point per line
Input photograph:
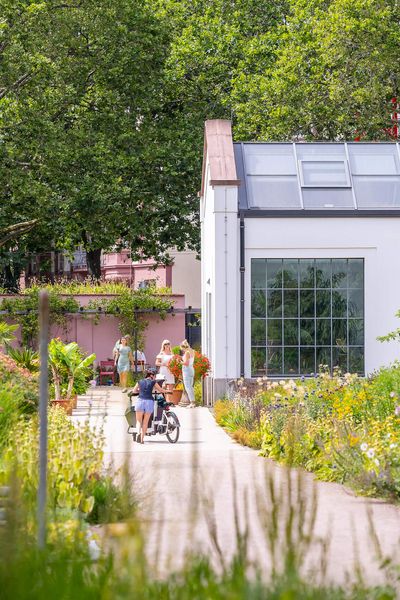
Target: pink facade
x=118 y=266
x=98 y=334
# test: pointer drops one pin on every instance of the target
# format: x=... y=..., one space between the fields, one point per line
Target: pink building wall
x=100 y=336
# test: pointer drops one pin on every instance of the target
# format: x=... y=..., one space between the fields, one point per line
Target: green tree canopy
x=333 y=73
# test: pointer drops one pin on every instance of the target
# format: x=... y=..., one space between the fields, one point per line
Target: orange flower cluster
x=201 y=366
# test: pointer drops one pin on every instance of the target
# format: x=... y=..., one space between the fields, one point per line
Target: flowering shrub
x=343 y=428
x=19 y=393
x=201 y=366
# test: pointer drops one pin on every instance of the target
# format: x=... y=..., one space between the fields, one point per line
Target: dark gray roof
x=318 y=178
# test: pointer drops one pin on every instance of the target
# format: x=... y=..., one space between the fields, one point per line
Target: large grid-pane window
x=306 y=313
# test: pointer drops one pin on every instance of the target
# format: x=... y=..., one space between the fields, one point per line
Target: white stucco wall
x=376 y=240
x=220 y=280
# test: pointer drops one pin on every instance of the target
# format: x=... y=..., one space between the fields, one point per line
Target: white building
x=300 y=256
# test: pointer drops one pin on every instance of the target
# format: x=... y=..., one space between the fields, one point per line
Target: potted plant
x=201 y=366
x=70 y=370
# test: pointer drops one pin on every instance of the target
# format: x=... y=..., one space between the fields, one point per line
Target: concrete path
x=192 y=493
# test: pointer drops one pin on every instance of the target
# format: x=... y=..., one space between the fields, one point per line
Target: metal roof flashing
x=218 y=150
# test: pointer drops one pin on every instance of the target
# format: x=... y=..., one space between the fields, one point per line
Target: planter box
x=175 y=397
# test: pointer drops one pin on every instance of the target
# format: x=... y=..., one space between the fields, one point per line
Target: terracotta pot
x=66 y=405
x=74 y=401
x=176 y=396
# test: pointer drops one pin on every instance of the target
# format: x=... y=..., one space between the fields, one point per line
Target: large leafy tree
x=81 y=87
x=333 y=73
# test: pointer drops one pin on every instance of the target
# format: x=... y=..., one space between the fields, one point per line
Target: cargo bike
x=163 y=420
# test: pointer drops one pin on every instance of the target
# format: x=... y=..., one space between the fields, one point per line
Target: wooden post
x=43 y=402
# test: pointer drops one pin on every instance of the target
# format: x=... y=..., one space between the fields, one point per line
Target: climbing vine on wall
x=126 y=306
x=23 y=310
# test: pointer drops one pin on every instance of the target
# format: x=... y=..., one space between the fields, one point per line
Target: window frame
x=352 y=284
x=341 y=160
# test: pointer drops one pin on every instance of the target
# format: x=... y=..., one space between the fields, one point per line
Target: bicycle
x=163 y=421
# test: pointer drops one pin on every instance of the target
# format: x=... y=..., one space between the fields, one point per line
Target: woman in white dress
x=162 y=361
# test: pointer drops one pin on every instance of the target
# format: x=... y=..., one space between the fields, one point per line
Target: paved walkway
x=188 y=493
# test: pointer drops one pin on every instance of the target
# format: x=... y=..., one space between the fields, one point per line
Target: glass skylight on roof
x=374 y=159
x=324 y=173
x=330 y=198
x=275 y=159
x=320 y=151
x=377 y=192
x=319 y=177
x=273 y=192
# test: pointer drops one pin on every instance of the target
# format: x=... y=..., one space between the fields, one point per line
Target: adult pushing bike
x=151 y=413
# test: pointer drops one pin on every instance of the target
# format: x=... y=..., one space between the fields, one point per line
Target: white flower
x=376 y=461
x=392 y=394
x=277 y=395
x=371 y=453
x=94 y=550
x=364 y=447
x=392 y=446
x=282 y=382
x=388 y=436
x=275 y=384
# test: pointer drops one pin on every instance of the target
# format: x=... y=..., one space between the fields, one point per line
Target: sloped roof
x=319 y=178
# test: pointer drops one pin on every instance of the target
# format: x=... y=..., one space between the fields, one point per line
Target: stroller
x=163 y=420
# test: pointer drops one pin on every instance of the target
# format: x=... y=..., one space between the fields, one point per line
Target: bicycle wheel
x=172 y=427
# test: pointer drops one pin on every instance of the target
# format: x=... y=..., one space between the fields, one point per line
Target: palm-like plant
x=67 y=363
x=7 y=333
x=27 y=358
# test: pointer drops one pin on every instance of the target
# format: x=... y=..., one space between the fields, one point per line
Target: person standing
x=162 y=361
x=115 y=355
x=145 y=403
x=140 y=360
x=188 y=371
x=124 y=359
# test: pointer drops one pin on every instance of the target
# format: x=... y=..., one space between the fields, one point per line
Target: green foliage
x=20 y=388
x=198 y=393
x=24 y=309
x=123 y=304
x=7 y=333
x=74 y=464
x=88 y=286
x=112 y=503
x=343 y=429
x=125 y=307
x=326 y=72
x=70 y=368
x=392 y=335
x=26 y=358
x=85 y=131
x=123 y=570
x=9 y=414
x=14 y=231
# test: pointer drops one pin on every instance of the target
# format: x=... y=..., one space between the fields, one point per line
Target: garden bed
x=342 y=428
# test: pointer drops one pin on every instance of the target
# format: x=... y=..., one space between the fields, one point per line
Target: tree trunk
x=93 y=263
x=9 y=279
